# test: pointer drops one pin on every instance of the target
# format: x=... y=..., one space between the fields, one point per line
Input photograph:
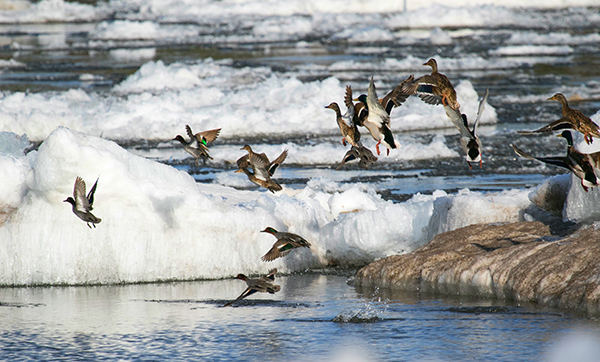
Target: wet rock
x=523 y=261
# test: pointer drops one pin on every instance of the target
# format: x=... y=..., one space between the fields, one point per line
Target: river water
x=316 y=316
x=523 y=57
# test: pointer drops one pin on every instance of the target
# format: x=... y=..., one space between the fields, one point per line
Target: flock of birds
x=373 y=113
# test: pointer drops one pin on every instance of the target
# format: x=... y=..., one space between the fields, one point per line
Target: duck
x=584 y=166
x=262 y=168
x=82 y=204
x=347 y=127
x=285 y=243
x=198 y=143
x=263 y=284
x=469 y=141
x=347 y=122
x=572 y=119
x=363 y=154
x=434 y=88
x=377 y=119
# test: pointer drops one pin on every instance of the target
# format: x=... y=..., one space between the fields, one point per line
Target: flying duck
x=262 y=168
x=573 y=119
x=580 y=164
x=82 y=204
x=469 y=141
x=197 y=146
x=285 y=243
x=434 y=88
x=262 y=284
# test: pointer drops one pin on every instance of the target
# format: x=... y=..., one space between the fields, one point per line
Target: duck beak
x=355 y=100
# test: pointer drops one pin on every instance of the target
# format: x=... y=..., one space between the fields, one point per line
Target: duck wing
x=81 y=201
x=563 y=123
x=397 y=96
x=279 y=249
x=424 y=87
x=350 y=110
x=278 y=161
x=556 y=161
x=190 y=134
x=460 y=121
x=209 y=135
x=90 y=195
x=245 y=293
x=480 y=109
x=377 y=114
x=260 y=167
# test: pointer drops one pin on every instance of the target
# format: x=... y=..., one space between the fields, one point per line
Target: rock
x=522 y=261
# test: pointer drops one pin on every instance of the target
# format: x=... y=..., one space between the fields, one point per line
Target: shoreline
x=523 y=261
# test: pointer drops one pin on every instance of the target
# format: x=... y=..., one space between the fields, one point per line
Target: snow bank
x=158 y=224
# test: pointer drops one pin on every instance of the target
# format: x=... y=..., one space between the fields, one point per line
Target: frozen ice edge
x=159 y=224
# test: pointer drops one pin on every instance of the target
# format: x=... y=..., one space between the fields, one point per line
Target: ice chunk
x=551 y=194
x=581 y=205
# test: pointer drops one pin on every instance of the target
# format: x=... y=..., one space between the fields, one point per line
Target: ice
x=133 y=55
x=161 y=99
x=530 y=38
x=124 y=29
x=581 y=205
x=158 y=224
x=14 y=165
x=581 y=344
x=51 y=11
x=532 y=50
x=11 y=63
x=468 y=207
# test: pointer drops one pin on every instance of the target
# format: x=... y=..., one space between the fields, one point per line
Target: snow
x=159 y=224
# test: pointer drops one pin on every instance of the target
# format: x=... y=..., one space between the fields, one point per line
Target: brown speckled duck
x=434 y=88
x=82 y=204
x=262 y=284
x=573 y=119
x=285 y=243
x=262 y=168
x=348 y=128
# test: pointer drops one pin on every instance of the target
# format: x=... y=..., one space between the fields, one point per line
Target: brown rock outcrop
x=522 y=261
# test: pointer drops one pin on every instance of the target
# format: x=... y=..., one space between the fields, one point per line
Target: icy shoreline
x=526 y=261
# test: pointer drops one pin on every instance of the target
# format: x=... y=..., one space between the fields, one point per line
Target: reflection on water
x=314 y=316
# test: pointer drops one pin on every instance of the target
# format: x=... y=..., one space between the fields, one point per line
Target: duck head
x=361 y=98
x=246 y=148
x=241 y=276
x=433 y=64
x=567 y=135
x=179 y=138
x=269 y=230
x=334 y=106
x=559 y=97
x=70 y=200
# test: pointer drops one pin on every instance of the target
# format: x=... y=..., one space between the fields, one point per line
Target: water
x=314 y=317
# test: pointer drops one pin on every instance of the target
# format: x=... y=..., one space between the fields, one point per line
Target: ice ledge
x=523 y=261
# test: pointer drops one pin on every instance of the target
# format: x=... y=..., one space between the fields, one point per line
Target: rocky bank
x=523 y=261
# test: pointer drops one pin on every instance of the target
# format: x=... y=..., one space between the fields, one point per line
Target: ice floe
x=159 y=224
